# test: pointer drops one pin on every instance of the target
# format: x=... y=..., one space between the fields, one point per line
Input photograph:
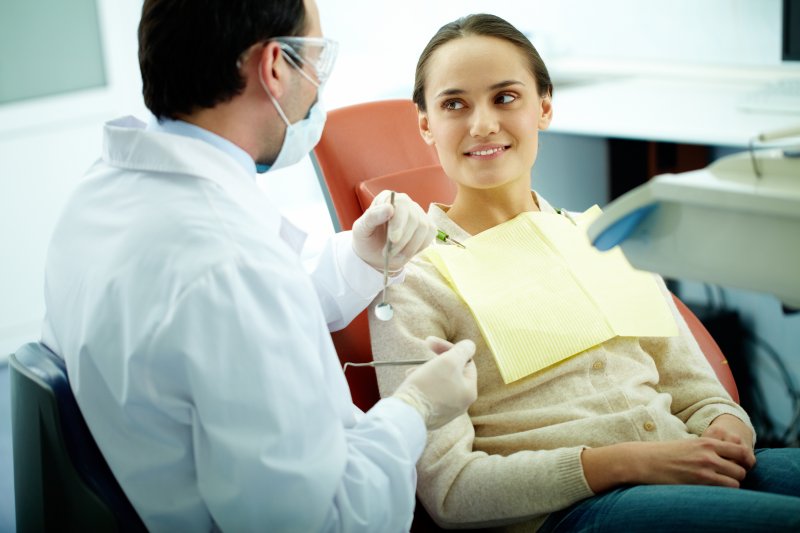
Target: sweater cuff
x=700 y=421
x=570 y=471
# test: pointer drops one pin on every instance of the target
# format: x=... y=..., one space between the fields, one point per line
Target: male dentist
x=198 y=347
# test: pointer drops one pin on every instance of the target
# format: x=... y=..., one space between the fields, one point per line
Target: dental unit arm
x=736 y=222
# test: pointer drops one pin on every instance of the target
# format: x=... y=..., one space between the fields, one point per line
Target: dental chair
x=376 y=146
x=362 y=142
x=61 y=480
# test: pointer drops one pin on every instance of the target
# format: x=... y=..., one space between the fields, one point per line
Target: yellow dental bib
x=541 y=293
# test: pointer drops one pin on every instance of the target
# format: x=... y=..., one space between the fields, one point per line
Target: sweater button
x=649 y=426
x=598 y=365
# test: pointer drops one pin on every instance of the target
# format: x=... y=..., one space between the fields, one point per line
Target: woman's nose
x=484 y=122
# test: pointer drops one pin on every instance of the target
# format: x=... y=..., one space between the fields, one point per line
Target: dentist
x=198 y=347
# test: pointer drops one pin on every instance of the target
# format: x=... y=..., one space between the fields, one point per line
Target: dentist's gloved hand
x=445 y=386
x=410 y=231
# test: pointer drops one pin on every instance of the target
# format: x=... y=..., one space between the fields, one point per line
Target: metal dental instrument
x=409 y=362
x=384 y=310
x=447 y=239
x=565 y=213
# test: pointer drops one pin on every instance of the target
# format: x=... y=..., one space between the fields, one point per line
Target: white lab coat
x=199 y=353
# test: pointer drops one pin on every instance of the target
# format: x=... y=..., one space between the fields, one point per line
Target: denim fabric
x=769 y=501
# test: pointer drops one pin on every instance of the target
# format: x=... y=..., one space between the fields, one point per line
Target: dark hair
x=188 y=49
x=489 y=26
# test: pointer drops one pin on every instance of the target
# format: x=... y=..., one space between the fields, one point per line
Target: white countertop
x=663 y=102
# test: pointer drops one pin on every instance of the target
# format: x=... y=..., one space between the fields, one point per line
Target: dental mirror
x=384 y=309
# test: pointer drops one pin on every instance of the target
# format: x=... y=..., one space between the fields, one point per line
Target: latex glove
x=445 y=386
x=410 y=231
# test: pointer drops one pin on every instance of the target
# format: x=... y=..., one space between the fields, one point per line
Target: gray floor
x=7 y=515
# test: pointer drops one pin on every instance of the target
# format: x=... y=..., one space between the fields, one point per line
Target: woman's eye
x=505 y=98
x=452 y=105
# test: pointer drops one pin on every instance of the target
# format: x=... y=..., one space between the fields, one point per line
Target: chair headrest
x=425 y=185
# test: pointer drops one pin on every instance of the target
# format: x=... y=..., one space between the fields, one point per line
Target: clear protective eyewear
x=317 y=52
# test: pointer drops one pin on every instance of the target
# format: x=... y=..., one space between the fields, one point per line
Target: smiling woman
x=591 y=388
x=483 y=116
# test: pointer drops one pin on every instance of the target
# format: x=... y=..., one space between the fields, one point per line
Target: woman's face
x=483 y=112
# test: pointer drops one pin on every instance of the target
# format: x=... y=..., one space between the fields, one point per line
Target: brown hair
x=489 y=26
x=182 y=72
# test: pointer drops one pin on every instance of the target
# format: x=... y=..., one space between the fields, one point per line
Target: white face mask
x=301 y=137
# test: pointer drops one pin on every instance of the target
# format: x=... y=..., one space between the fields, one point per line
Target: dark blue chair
x=61 y=480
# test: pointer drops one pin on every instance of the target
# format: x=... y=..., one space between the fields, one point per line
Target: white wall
x=43 y=155
x=45 y=147
x=378 y=53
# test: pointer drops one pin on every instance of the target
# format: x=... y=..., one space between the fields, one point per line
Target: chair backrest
x=61 y=480
x=710 y=348
x=365 y=141
x=425 y=185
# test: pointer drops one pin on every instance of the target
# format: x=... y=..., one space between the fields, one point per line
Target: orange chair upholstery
x=426 y=185
x=353 y=345
x=362 y=142
x=358 y=159
x=710 y=348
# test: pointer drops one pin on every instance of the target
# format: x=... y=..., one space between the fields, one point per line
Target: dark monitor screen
x=791 y=30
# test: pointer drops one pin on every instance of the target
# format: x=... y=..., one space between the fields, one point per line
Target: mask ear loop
x=274 y=100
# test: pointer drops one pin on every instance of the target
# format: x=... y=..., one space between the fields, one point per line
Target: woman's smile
x=487 y=152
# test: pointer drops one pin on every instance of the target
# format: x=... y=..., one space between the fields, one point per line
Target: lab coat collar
x=187 y=129
x=128 y=144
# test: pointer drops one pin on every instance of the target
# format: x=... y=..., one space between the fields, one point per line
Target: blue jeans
x=768 y=501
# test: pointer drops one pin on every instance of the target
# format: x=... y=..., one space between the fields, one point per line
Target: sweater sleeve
x=697 y=395
x=459 y=485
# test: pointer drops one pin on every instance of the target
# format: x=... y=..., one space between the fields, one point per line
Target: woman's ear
x=545 y=112
x=424 y=127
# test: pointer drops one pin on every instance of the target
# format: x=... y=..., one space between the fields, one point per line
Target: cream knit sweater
x=515 y=457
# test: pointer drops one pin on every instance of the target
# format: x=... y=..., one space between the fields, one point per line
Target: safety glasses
x=317 y=52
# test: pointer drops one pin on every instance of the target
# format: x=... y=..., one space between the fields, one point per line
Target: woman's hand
x=700 y=461
x=728 y=428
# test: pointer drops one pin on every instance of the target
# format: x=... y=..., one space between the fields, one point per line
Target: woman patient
x=634 y=432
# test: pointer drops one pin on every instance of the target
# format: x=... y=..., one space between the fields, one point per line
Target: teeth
x=487 y=152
